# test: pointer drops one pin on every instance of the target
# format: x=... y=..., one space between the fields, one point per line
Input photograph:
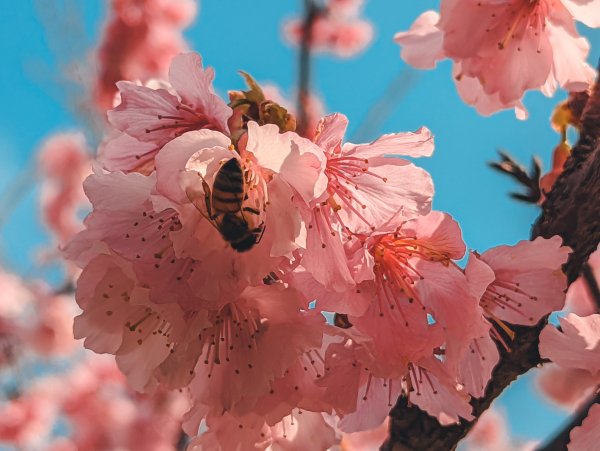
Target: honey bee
x=226 y=204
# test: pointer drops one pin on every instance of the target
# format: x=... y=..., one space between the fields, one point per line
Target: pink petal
x=586 y=436
x=585 y=11
x=472 y=93
x=548 y=253
x=529 y=280
x=392 y=185
x=479 y=275
x=330 y=131
x=121 y=152
x=194 y=84
x=411 y=144
x=303 y=431
x=439 y=397
x=140 y=111
x=570 y=52
x=440 y=231
x=422 y=43
x=477 y=365
x=576 y=346
x=173 y=159
x=374 y=404
x=297 y=160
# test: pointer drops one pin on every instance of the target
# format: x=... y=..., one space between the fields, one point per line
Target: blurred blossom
x=64 y=161
x=138 y=42
x=491 y=433
x=338 y=29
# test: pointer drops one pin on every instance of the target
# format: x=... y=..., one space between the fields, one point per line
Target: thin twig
x=385 y=105
x=563 y=437
x=17 y=189
x=529 y=180
x=592 y=283
x=311 y=12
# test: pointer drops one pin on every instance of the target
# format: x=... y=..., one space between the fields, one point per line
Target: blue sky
x=239 y=34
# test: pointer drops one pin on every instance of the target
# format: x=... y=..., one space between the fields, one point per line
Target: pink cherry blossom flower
x=363 y=398
x=501 y=49
x=587 y=435
x=521 y=283
x=576 y=345
x=337 y=29
x=125 y=221
x=64 y=160
x=516 y=284
x=423 y=299
x=51 y=333
x=155 y=115
x=119 y=319
x=236 y=372
x=366 y=188
x=139 y=41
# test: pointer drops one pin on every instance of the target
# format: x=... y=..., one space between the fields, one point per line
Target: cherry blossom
x=503 y=49
x=138 y=42
x=366 y=188
x=514 y=284
x=525 y=281
x=64 y=161
x=421 y=294
x=576 y=345
x=156 y=114
x=337 y=29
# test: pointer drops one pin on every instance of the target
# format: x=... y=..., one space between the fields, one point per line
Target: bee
x=226 y=204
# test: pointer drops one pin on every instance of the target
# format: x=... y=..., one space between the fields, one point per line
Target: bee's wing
x=198 y=193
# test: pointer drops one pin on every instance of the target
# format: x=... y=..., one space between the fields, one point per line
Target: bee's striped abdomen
x=228 y=188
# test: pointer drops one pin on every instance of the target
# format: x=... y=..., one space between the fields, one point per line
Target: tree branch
x=311 y=12
x=592 y=283
x=571 y=211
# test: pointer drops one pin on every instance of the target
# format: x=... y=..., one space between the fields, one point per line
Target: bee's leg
x=262 y=228
x=207 y=201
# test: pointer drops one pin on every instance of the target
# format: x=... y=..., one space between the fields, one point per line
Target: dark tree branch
x=311 y=12
x=562 y=439
x=592 y=283
x=571 y=211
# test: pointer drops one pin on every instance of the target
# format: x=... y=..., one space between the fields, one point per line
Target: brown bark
x=311 y=13
x=571 y=210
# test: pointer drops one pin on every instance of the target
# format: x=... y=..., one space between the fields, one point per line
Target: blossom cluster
x=56 y=396
x=219 y=237
x=502 y=48
x=138 y=41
